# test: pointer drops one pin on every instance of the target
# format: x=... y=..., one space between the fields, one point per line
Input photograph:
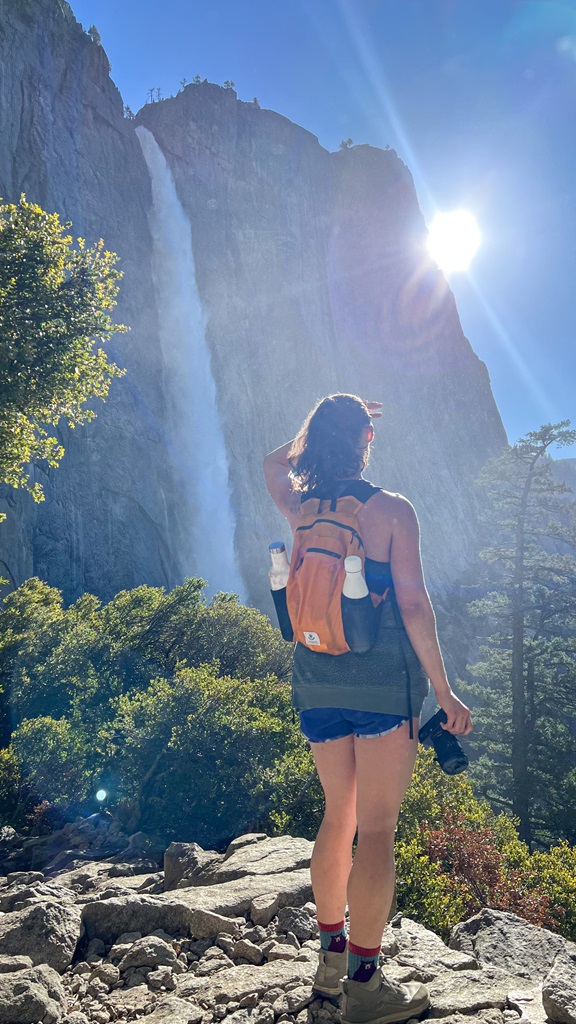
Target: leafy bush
x=194 y=756
x=119 y=697
x=554 y=873
x=455 y=856
x=10 y=786
x=54 y=757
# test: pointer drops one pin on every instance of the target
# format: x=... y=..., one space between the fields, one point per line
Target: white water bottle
x=354 y=583
x=280 y=568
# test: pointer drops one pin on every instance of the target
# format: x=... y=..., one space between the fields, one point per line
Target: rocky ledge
x=233 y=936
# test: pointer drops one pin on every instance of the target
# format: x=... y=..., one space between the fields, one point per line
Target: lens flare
x=453 y=240
x=101 y=795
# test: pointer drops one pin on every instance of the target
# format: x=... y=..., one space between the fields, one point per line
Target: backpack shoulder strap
x=347 y=503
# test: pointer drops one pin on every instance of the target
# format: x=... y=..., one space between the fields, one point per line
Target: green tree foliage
x=94 y=35
x=55 y=303
x=198 y=752
x=79 y=673
x=56 y=661
x=55 y=755
x=524 y=684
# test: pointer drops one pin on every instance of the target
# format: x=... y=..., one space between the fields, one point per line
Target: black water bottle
x=278 y=576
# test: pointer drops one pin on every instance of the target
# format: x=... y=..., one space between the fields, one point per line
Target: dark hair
x=326 y=448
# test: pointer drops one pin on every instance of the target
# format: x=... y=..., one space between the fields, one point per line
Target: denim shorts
x=320 y=725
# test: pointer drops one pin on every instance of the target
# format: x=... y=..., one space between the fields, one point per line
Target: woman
x=354 y=708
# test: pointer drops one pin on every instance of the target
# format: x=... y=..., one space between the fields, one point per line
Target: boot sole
x=394 y=1018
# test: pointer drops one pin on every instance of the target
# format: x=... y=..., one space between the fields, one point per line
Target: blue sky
x=477 y=96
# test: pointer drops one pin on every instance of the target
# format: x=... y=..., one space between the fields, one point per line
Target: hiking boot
x=379 y=1001
x=331 y=970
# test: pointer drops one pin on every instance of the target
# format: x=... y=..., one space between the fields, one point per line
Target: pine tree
x=526 y=714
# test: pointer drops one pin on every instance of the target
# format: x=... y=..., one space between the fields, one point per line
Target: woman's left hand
x=374 y=408
x=458 y=721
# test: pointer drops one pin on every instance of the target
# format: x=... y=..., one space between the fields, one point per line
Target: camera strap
x=400 y=627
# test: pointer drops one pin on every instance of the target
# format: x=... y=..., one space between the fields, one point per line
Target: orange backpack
x=328 y=533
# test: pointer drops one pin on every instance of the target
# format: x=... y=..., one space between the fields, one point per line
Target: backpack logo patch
x=311 y=638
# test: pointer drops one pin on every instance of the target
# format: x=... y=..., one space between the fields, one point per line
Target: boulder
x=87 y=876
x=172 y=1010
x=469 y=991
x=248 y=951
x=148 y=952
x=263 y=908
x=24 y=877
x=528 y=1003
x=162 y=977
x=205 y=924
x=297 y=921
x=30 y=995
x=8 y=964
x=107 y=919
x=559 y=990
x=294 y=1000
x=49 y=932
x=232 y=984
x=18 y=897
x=413 y=945
x=241 y=841
x=186 y=860
x=174 y=911
x=130 y=1001
x=507 y=941
x=281 y=951
x=269 y=856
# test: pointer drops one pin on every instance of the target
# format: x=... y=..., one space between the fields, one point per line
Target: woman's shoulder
x=391 y=505
x=381 y=498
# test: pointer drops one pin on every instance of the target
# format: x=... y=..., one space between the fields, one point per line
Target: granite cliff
x=312 y=275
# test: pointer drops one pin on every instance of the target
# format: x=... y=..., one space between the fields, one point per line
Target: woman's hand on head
x=374 y=408
x=459 y=721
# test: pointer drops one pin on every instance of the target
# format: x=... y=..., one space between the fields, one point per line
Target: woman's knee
x=341 y=817
x=381 y=829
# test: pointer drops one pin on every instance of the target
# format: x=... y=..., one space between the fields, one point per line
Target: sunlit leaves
x=55 y=303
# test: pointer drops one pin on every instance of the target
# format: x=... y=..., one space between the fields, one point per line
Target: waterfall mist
x=196 y=441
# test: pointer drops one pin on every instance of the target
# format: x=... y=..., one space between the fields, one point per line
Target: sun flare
x=453 y=240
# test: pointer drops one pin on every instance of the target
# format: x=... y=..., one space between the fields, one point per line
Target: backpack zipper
x=334 y=522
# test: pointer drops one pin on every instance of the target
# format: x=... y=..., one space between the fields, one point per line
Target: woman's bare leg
x=332 y=856
x=383 y=770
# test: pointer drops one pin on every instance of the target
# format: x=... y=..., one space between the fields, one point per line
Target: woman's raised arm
x=277 y=468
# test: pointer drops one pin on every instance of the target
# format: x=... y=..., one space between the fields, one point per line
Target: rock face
x=245 y=950
x=311 y=270
x=107 y=519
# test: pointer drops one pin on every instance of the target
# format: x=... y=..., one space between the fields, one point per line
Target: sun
x=453 y=240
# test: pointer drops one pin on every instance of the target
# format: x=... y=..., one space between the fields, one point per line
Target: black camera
x=449 y=753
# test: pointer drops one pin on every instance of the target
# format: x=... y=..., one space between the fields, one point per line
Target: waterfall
x=196 y=445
